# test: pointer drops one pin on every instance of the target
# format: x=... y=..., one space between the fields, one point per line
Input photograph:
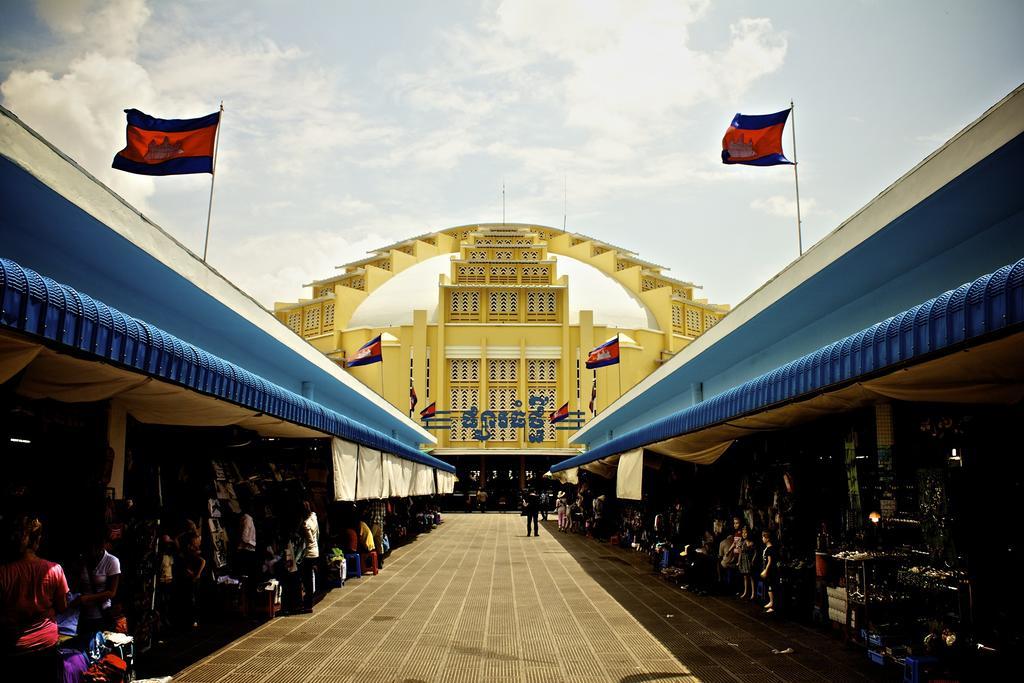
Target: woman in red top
x=32 y=591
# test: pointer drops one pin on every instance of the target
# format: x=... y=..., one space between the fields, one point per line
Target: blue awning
x=73 y=321
x=969 y=313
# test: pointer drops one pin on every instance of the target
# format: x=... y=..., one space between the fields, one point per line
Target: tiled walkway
x=476 y=600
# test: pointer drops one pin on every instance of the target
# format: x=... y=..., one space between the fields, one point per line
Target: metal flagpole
x=619 y=364
x=796 y=180
x=213 y=177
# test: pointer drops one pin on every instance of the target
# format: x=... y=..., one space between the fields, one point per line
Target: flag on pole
x=368 y=353
x=605 y=354
x=560 y=414
x=429 y=412
x=593 y=397
x=755 y=140
x=413 y=400
x=168 y=146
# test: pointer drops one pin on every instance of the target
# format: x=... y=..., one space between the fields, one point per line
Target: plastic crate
x=876 y=657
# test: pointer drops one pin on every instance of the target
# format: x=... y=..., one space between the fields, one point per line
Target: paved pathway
x=476 y=600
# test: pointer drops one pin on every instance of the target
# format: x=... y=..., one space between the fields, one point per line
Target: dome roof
x=416 y=288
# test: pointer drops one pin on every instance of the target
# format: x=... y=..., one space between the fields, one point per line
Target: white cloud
x=784 y=207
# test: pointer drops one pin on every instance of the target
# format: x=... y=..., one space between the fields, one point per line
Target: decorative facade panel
x=312 y=320
x=329 y=316
x=693 y=322
x=464 y=306
x=542 y=306
x=503 y=306
x=295 y=321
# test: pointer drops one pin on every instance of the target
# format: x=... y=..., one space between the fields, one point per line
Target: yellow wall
x=507 y=262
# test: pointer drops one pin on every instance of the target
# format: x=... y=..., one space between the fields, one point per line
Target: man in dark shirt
x=531 y=505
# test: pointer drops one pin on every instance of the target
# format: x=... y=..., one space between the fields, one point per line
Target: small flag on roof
x=430 y=411
x=168 y=146
x=560 y=414
x=755 y=140
x=368 y=353
x=413 y=399
x=605 y=354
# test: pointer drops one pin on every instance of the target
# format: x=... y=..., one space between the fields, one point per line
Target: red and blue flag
x=605 y=354
x=430 y=411
x=168 y=146
x=413 y=398
x=560 y=414
x=368 y=353
x=755 y=140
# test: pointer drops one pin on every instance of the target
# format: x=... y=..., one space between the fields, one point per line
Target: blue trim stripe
x=74 y=322
x=758 y=121
x=146 y=122
x=178 y=166
x=969 y=313
x=769 y=160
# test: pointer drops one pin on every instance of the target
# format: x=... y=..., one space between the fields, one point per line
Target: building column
x=483 y=471
x=522 y=472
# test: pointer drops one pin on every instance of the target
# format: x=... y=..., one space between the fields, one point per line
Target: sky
x=350 y=125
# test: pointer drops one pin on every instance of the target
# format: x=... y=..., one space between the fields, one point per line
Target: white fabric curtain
x=371 y=476
x=345 y=455
x=408 y=469
x=424 y=483
x=629 y=477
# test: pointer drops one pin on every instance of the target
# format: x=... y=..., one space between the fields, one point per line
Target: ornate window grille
x=542 y=381
x=503 y=306
x=472 y=274
x=622 y=265
x=502 y=392
x=355 y=283
x=542 y=306
x=329 y=316
x=677 y=320
x=464 y=306
x=464 y=393
x=312 y=324
x=647 y=284
x=384 y=264
x=693 y=325
x=529 y=255
x=478 y=255
x=709 y=320
x=295 y=322
x=504 y=275
x=538 y=275
x=503 y=255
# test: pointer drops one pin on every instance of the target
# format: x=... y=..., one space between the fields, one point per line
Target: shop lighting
x=954 y=455
x=875 y=517
x=17 y=440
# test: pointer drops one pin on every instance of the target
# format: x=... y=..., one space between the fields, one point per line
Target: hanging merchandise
x=219 y=541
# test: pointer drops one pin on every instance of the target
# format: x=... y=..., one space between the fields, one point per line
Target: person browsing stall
x=100 y=579
x=32 y=591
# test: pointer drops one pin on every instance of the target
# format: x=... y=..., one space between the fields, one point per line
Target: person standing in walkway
x=481 y=499
x=531 y=506
x=768 y=569
x=544 y=505
x=562 y=508
x=311 y=556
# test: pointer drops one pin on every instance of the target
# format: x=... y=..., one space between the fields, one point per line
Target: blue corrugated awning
x=968 y=313
x=69 y=319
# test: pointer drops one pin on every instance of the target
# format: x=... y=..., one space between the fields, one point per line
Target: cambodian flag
x=755 y=140
x=368 y=353
x=413 y=399
x=429 y=412
x=605 y=354
x=560 y=414
x=168 y=146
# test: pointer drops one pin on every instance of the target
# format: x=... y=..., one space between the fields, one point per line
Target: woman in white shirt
x=100 y=578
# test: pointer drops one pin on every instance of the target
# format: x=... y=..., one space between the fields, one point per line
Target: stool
x=349 y=559
x=372 y=564
x=915 y=667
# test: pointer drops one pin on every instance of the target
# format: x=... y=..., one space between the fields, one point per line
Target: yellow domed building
x=492 y=324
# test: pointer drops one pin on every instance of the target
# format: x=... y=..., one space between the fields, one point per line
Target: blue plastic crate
x=876 y=657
